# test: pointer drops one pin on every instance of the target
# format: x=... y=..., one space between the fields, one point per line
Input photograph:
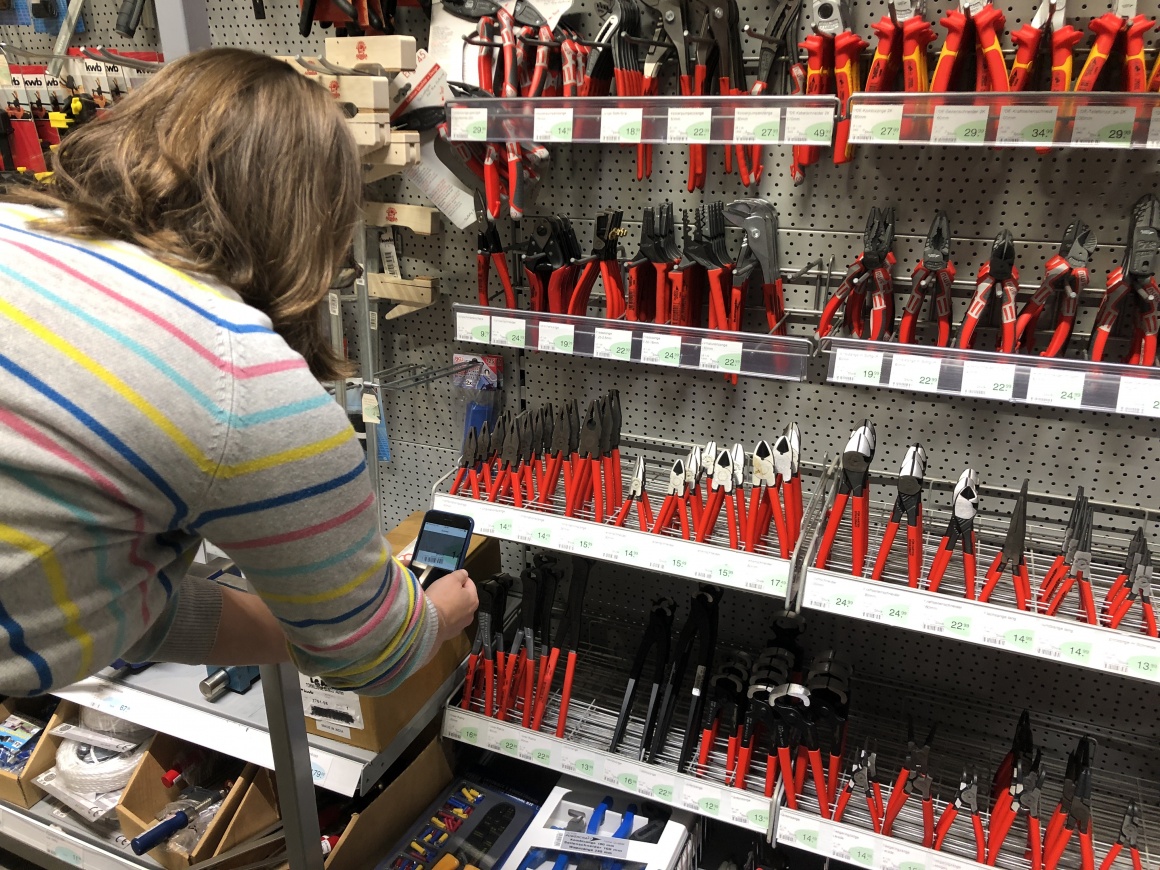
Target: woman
x=160 y=355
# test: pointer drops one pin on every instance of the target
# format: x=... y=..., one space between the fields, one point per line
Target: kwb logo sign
x=360 y=50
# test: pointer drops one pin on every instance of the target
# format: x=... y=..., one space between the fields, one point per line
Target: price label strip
x=960 y=125
x=556 y=337
x=1026 y=125
x=872 y=122
x=757 y=125
x=988 y=380
x=613 y=344
x=660 y=349
x=854 y=366
x=1104 y=126
x=508 y=331
x=1055 y=387
x=809 y=126
x=621 y=126
x=552 y=125
x=689 y=125
x=1139 y=396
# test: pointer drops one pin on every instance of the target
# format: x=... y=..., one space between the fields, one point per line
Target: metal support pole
x=292 y=769
x=368 y=341
x=183 y=26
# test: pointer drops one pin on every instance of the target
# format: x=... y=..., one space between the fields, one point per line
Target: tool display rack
x=911 y=655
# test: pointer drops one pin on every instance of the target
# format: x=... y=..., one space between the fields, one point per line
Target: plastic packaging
x=88 y=769
x=112 y=725
x=477 y=393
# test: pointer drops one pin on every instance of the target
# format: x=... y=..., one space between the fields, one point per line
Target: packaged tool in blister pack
x=468 y=826
x=477 y=393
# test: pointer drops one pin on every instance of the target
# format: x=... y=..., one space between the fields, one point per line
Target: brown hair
x=228 y=164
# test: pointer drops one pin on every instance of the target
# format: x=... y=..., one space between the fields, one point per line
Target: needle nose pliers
x=1133 y=585
x=1010 y=559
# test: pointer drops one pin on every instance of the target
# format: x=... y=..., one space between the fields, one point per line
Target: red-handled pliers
x=853 y=480
x=1134 y=584
x=908 y=503
x=1010 y=559
x=566 y=641
x=913 y=779
x=967 y=798
x=765 y=501
x=721 y=492
x=481 y=654
x=863 y=778
x=1125 y=28
x=998 y=277
x=639 y=496
x=1066 y=271
x=1022 y=795
x=489 y=252
x=1079 y=818
x=1130 y=829
x=1043 y=49
x=602 y=262
x=676 y=503
x=1073 y=569
x=960 y=528
x=469 y=462
x=871 y=270
x=935 y=274
x=1135 y=276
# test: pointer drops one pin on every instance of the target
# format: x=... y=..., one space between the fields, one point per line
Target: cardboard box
x=372 y=723
x=145 y=796
x=18 y=789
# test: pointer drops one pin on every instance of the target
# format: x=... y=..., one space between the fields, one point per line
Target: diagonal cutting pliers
x=765 y=501
x=1134 y=276
x=935 y=274
x=676 y=503
x=870 y=271
x=1043 y=47
x=908 y=504
x=997 y=277
x=960 y=528
x=1066 y=272
x=853 y=480
x=1010 y=560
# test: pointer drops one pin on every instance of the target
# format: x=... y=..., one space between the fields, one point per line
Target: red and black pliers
x=647 y=295
x=481 y=654
x=703 y=252
x=1010 y=559
x=853 y=480
x=470 y=462
x=586 y=476
x=913 y=779
x=515 y=468
x=566 y=642
x=787 y=463
x=782 y=20
x=997 y=277
x=935 y=274
x=1066 y=276
x=489 y=252
x=1074 y=569
x=676 y=503
x=721 y=486
x=1135 y=276
x=1024 y=794
x=1079 y=819
x=961 y=528
x=1129 y=836
x=1079 y=761
x=638 y=495
x=967 y=798
x=863 y=779
x=603 y=263
x=549 y=258
x=759 y=256
x=870 y=271
x=908 y=503
x=1133 y=585
x=564 y=441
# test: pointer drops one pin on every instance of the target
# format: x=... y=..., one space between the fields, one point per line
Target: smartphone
x=441 y=546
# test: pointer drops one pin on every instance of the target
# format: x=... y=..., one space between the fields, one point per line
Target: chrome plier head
x=784 y=458
x=762 y=471
x=694 y=466
x=831 y=17
x=722 y=476
x=913 y=469
x=794 y=434
x=966 y=497
x=1131 y=826
x=759 y=221
x=636 y=483
x=967 y=796
x=737 y=458
x=936 y=253
x=708 y=459
x=678 y=483
x=860 y=448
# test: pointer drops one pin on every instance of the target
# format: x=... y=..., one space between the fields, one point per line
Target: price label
x=749 y=811
x=1064 y=645
x=1133 y=657
x=885 y=606
x=939 y=861
x=660 y=349
x=61 y=848
x=460 y=726
x=536 y=751
x=1019 y=125
x=472 y=327
x=654 y=784
x=622 y=779
x=1055 y=387
x=702 y=799
x=319 y=766
x=900 y=856
x=819 y=588
x=504 y=526
x=582 y=762
x=988 y=380
x=703 y=562
x=960 y=125
x=720 y=356
x=508 y=331
x=613 y=344
x=947 y=619
x=915 y=373
x=853 y=366
x=809 y=126
x=757 y=125
x=1154 y=129
x=845 y=598
x=623 y=546
x=873 y=122
x=551 y=125
x=766 y=576
x=581 y=540
x=1007 y=631
x=556 y=337
x=851 y=846
x=621 y=125
x=689 y=125
x=1107 y=126
x=1139 y=396
x=469 y=125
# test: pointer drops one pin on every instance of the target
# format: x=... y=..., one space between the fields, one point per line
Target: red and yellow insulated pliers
x=1066 y=276
x=987 y=22
x=908 y=504
x=1010 y=560
x=1135 y=276
x=997 y=277
x=961 y=528
x=870 y=271
x=1043 y=48
x=853 y=480
x=935 y=274
x=490 y=252
x=967 y=798
x=903 y=36
x=1123 y=30
x=1133 y=585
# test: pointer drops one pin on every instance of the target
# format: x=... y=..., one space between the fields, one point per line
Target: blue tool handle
x=160 y=832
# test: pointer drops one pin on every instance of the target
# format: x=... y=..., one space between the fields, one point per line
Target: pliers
x=647 y=275
x=853 y=480
x=903 y=37
x=1079 y=818
x=1123 y=30
x=774 y=43
x=516 y=442
x=1079 y=762
x=602 y=262
x=1074 y=569
x=1043 y=48
x=470 y=461
x=765 y=501
x=720 y=492
x=564 y=441
x=655 y=643
x=871 y=268
x=960 y=528
x=1022 y=795
x=724 y=713
x=759 y=255
x=967 y=798
x=1133 y=584
x=863 y=778
x=489 y=252
x=566 y=641
x=998 y=276
x=787 y=463
x=1010 y=559
x=481 y=653
x=1066 y=271
x=703 y=252
x=935 y=274
x=1129 y=836
x=585 y=478
x=1135 y=275
x=908 y=503
x=676 y=503
x=549 y=264
x=913 y=779
x=639 y=496
x=990 y=67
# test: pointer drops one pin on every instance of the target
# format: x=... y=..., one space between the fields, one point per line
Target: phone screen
x=440 y=546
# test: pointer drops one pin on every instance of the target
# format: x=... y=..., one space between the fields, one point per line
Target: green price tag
x=911 y=865
x=758 y=818
x=542 y=756
x=710 y=806
x=958 y=625
x=542 y=536
x=1020 y=639
x=564 y=343
x=1077 y=651
x=898 y=612
x=663 y=793
x=509 y=746
x=585 y=766
x=807 y=837
x=469 y=734
x=503 y=526
x=627 y=781
x=481 y=333
x=863 y=855
x=1144 y=666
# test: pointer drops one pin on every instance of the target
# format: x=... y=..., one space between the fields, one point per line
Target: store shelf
x=1027 y=380
x=1026 y=120
x=653 y=120
x=52 y=831
x=763 y=356
x=166 y=698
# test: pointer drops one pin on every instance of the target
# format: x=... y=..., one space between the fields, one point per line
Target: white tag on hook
x=5 y=72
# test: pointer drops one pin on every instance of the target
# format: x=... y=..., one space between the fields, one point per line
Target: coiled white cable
x=89 y=769
x=114 y=726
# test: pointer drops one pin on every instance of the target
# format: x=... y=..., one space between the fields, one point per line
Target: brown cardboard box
x=372 y=723
x=374 y=830
x=19 y=789
x=145 y=796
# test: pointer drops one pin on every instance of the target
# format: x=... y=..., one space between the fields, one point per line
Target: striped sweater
x=142 y=410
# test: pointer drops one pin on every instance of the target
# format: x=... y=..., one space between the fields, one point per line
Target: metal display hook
x=409 y=375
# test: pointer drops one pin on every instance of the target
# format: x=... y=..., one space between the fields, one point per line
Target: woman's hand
x=456 y=601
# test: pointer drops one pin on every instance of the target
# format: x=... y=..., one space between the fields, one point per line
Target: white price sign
x=809 y=126
x=1137 y=657
x=720 y=356
x=551 y=125
x=872 y=122
x=852 y=846
x=583 y=762
x=556 y=337
x=1139 y=396
x=621 y=126
x=1033 y=125
x=508 y=331
x=947 y=618
x=689 y=125
x=960 y=125
x=1009 y=631
x=505 y=741
x=1065 y=644
x=819 y=588
x=472 y=327
x=681 y=559
x=703 y=799
x=319 y=767
x=578 y=537
x=613 y=344
x=656 y=784
x=853 y=366
x=536 y=750
x=1154 y=129
x=1107 y=126
x=901 y=856
x=988 y=380
x=620 y=545
x=621 y=776
x=915 y=372
x=1056 y=387
x=757 y=125
x=61 y=848
x=766 y=576
x=469 y=125
x=463 y=727
x=750 y=811
x=660 y=349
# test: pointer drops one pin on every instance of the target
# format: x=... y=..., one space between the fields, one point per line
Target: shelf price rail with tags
x=1067 y=120
x=764 y=356
x=49 y=829
x=166 y=698
x=652 y=120
x=999 y=624
x=1026 y=380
